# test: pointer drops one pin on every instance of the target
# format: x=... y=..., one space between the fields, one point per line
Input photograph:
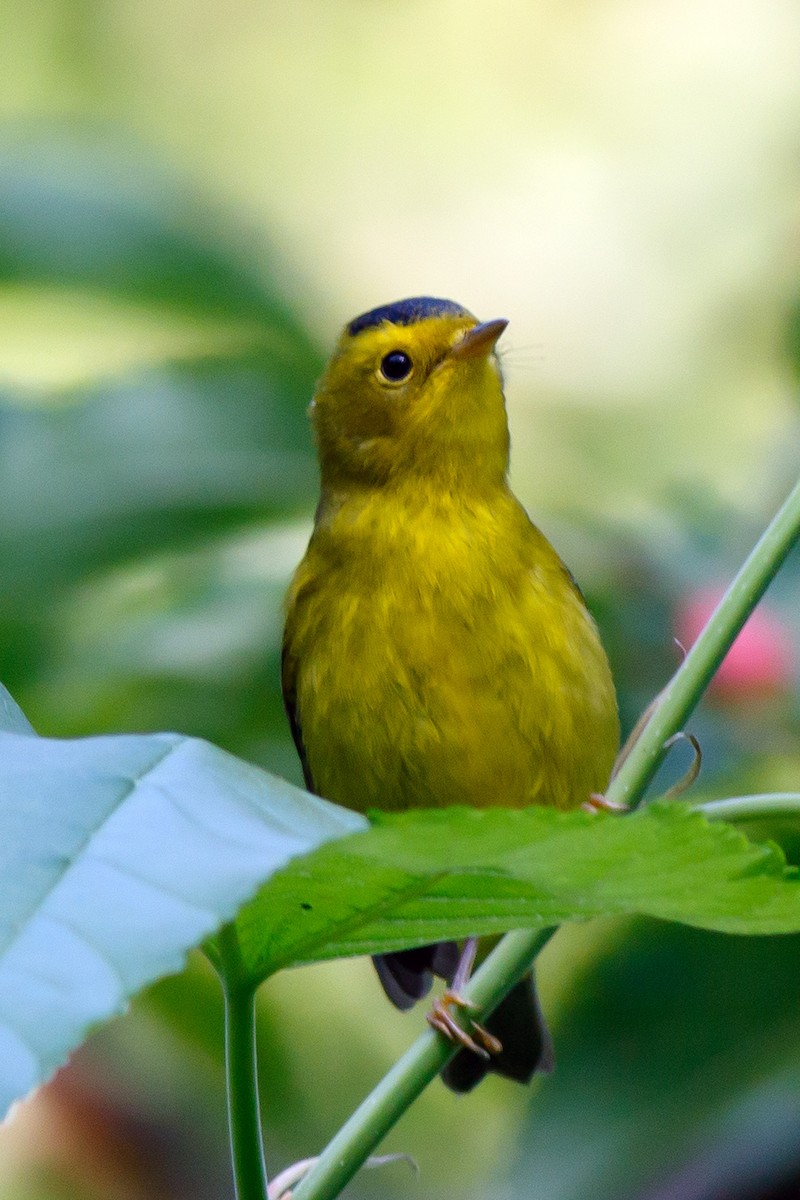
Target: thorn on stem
x=280 y=1187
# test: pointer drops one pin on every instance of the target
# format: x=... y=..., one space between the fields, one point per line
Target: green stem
x=512 y=957
x=356 y=1140
x=241 y=1074
x=689 y=682
x=752 y=808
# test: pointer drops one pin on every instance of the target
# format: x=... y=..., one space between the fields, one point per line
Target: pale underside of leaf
x=118 y=855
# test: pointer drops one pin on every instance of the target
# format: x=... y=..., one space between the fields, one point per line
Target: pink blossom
x=760 y=661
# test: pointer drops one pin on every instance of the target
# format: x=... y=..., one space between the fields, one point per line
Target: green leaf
x=117 y=855
x=426 y=876
x=158 y=461
x=160 y=453
x=78 y=210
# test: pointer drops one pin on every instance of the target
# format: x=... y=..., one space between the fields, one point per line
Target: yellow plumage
x=437 y=651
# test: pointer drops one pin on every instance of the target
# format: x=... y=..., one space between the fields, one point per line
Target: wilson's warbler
x=437 y=651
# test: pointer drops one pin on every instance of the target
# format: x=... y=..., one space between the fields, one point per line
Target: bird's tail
x=407 y=975
x=518 y=1023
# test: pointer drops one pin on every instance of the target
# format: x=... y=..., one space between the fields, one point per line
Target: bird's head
x=413 y=390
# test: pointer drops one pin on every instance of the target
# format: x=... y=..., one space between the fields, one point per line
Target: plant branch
x=241 y=1073
x=752 y=808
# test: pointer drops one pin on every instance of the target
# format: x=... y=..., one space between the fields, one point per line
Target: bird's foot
x=478 y=1040
x=598 y=803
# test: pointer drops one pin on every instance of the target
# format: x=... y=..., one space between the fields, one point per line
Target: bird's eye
x=396 y=366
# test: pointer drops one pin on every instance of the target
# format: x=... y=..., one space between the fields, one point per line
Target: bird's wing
x=289 y=688
x=576 y=587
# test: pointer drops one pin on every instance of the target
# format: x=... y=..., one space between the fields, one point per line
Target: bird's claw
x=598 y=803
x=483 y=1043
x=492 y=1045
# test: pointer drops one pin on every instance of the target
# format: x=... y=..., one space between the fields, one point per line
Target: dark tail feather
x=527 y=1045
x=407 y=975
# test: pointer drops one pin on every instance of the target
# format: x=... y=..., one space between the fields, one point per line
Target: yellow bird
x=437 y=651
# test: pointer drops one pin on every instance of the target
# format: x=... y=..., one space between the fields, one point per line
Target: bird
x=436 y=650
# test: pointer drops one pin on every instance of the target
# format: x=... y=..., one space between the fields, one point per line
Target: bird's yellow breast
x=441 y=654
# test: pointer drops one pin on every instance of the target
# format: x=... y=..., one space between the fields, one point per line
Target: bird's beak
x=479 y=341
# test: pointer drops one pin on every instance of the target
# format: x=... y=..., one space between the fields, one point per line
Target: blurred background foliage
x=193 y=197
